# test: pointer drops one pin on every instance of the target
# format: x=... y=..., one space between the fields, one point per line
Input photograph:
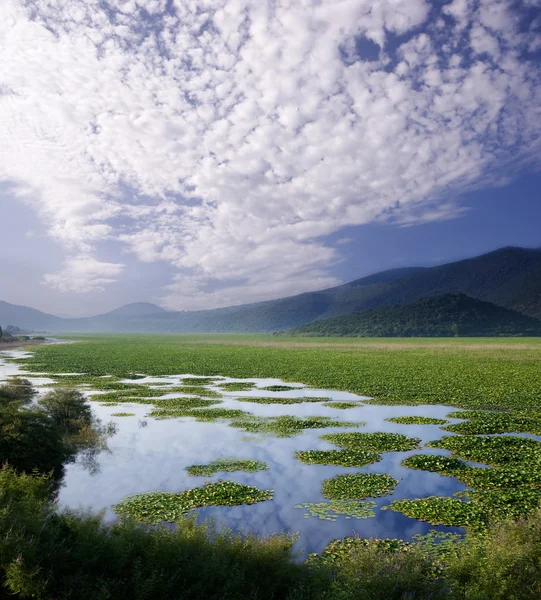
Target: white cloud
x=244 y=136
x=84 y=273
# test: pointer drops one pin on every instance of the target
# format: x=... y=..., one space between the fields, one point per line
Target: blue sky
x=202 y=154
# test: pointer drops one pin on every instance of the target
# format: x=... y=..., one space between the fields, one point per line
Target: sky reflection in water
x=154 y=458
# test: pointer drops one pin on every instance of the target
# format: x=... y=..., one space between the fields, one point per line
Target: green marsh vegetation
x=282 y=400
x=227 y=465
x=358 y=486
x=412 y=420
x=123 y=414
x=46 y=553
x=330 y=511
x=484 y=422
x=342 y=405
x=342 y=458
x=373 y=442
x=473 y=373
x=199 y=414
x=155 y=507
x=288 y=426
x=237 y=386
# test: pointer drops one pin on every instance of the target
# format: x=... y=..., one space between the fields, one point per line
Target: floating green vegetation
x=185 y=403
x=123 y=414
x=484 y=422
x=445 y=465
x=194 y=390
x=468 y=373
x=492 y=450
x=280 y=388
x=358 y=486
x=373 y=442
x=287 y=426
x=197 y=381
x=227 y=464
x=443 y=510
x=342 y=405
x=129 y=395
x=109 y=404
x=156 y=507
x=237 y=386
x=416 y=420
x=330 y=511
x=282 y=400
x=200 y=414
x=343 y=458
x=134 y=376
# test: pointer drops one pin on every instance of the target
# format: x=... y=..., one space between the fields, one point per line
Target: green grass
x=358 y=486
x=416 y=420
x=470 y=373
x=155 y=507
x=227 y=465
x=373 y=442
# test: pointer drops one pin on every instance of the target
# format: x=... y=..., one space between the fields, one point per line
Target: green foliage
x=194 y=390
x=443 y=510
x=237 y=386
x=411 y=420
x=282 y=400
x=199 y=381
x=30 y=439
x=358 y=486
x=45 y=555
x=155 y=507
x=69 y=409
x=287 y=426
x=492 y=450
x=342 y=458
x=342 y=405
x=279 y=388
x=483 y=422
x=123 y=414
x=500 y=373
x=200 y=414
x=502 y=564
x=445 y=465
x=433 y=316
x=373 y=442
x=387 y=569
x=226 y=464
x=330 y=511
x=17 y=390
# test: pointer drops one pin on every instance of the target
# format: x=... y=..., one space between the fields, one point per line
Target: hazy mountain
x=509 y=277
x=434 y=316
x=137 y=309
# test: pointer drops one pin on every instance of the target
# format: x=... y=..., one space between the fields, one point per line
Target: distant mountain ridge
x=509 y=277
x=433 y=316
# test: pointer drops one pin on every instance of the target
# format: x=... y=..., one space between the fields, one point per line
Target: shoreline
x=16 y=345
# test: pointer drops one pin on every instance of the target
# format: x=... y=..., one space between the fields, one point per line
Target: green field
x=469 y=373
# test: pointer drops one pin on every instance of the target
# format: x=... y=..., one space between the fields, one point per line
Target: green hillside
x=509 y=277
x=435 y=316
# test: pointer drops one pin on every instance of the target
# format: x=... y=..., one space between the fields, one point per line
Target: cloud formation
x=229 y=137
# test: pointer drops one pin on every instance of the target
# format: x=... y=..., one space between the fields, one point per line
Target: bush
x=68 y=408
x=503 y=564
x=17 y=390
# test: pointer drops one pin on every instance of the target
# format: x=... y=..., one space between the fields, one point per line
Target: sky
x=204 y=153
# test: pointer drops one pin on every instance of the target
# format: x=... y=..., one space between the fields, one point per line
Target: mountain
x=509 y=277
x=137 y=309
x=434 y=316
